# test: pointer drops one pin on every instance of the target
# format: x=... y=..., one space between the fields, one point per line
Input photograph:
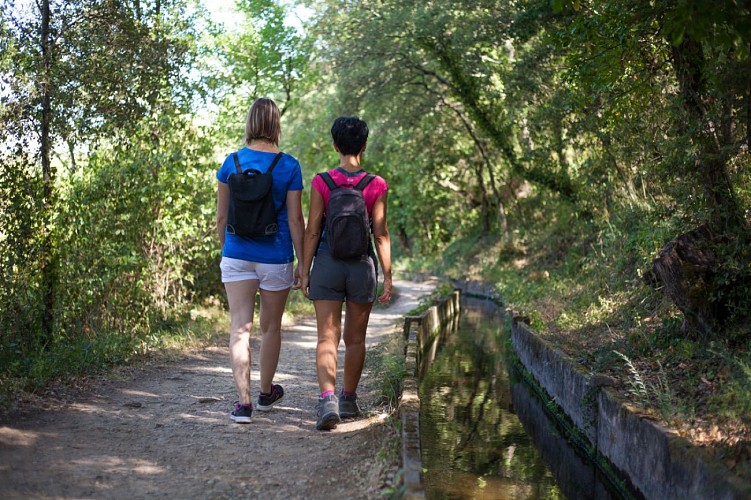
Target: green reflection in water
x=472 y=445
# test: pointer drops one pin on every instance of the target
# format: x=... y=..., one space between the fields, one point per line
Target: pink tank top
x=371 y=193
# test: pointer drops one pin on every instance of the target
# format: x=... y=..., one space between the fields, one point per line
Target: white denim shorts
x=272 y=277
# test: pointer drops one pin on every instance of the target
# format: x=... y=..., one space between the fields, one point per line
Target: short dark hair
x=350 y=134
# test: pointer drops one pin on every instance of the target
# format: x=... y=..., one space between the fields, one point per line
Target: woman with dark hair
x=260 y=264
x=333 y=281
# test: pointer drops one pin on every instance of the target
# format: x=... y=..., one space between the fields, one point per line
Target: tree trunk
x=626 y=177
x=688 y=266
x=404 y=240
x=47 y=262
x=484 y=202
x=503 y=218
x=684 y=268
x=748 y=111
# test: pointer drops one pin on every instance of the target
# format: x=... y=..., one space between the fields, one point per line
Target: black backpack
x=347 y=221
x=251 y=203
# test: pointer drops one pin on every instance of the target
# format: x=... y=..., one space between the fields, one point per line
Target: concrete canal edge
x=638 y=456
x=419 y=330
x=656 y=461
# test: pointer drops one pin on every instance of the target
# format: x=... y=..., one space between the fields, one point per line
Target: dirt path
x=165 y=432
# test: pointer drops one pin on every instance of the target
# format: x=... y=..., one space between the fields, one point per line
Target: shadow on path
x=166 y=432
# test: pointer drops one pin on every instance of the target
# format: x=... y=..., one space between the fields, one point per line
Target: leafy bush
x=133 y=233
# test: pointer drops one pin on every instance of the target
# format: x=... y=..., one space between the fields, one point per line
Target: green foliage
x=135 y=240
x=586 y=102
x=261 y=56
x=124 y=225
x=298 y=305
x=731 y=293
x=537 y=322
x=442 y=290
x=736 y=401
x=386 y=362
x=117 y=236
x=551 y=148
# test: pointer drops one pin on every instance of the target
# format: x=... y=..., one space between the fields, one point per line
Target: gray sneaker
x=348 y=407
x=328 y=413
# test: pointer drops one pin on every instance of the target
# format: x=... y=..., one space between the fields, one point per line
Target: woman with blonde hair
x=264 y=264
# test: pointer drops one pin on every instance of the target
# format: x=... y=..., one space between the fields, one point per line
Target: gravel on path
x=164 y=431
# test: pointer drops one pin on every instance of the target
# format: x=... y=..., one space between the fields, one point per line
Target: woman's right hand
x=298 y=280
x=305 y=284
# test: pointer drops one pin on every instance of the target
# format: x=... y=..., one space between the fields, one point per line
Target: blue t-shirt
x=274 y=249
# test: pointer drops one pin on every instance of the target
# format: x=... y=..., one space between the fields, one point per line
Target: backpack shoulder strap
x=328 y=180
x=239 y=169
x=237 y=163
x=269 y=171
x=274 y=162
x=364 y=182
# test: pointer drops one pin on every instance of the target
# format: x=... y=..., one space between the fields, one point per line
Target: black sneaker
x=265 y=402
x=328 y=413
x=348 y=407
x=242 y=413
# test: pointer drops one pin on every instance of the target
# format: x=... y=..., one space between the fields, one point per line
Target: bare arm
x=312 y=236
x=222 y=207
x=296 y=228
x=383 y=245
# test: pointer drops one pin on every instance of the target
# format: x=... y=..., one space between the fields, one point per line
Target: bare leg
x=355 y=327
x=272 y=309
x=329 y=321
x=241 y=297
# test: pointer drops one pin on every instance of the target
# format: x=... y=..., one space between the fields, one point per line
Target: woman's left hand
x=387 y=290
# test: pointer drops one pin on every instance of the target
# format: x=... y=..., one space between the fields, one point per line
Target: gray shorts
x=332 y=279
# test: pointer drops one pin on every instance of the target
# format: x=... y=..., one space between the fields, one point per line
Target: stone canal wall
x=657 y=462
x=421 y=333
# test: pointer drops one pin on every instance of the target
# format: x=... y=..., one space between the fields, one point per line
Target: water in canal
x=483 y=434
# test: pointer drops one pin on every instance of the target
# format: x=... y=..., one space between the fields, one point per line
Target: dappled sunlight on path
x=166 y=431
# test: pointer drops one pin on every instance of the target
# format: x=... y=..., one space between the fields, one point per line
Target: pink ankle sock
x=326 y=393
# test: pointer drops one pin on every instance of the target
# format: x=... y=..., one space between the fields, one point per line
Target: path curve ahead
x=165 y=432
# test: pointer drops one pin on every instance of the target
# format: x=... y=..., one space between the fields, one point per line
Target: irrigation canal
x=483 y=433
